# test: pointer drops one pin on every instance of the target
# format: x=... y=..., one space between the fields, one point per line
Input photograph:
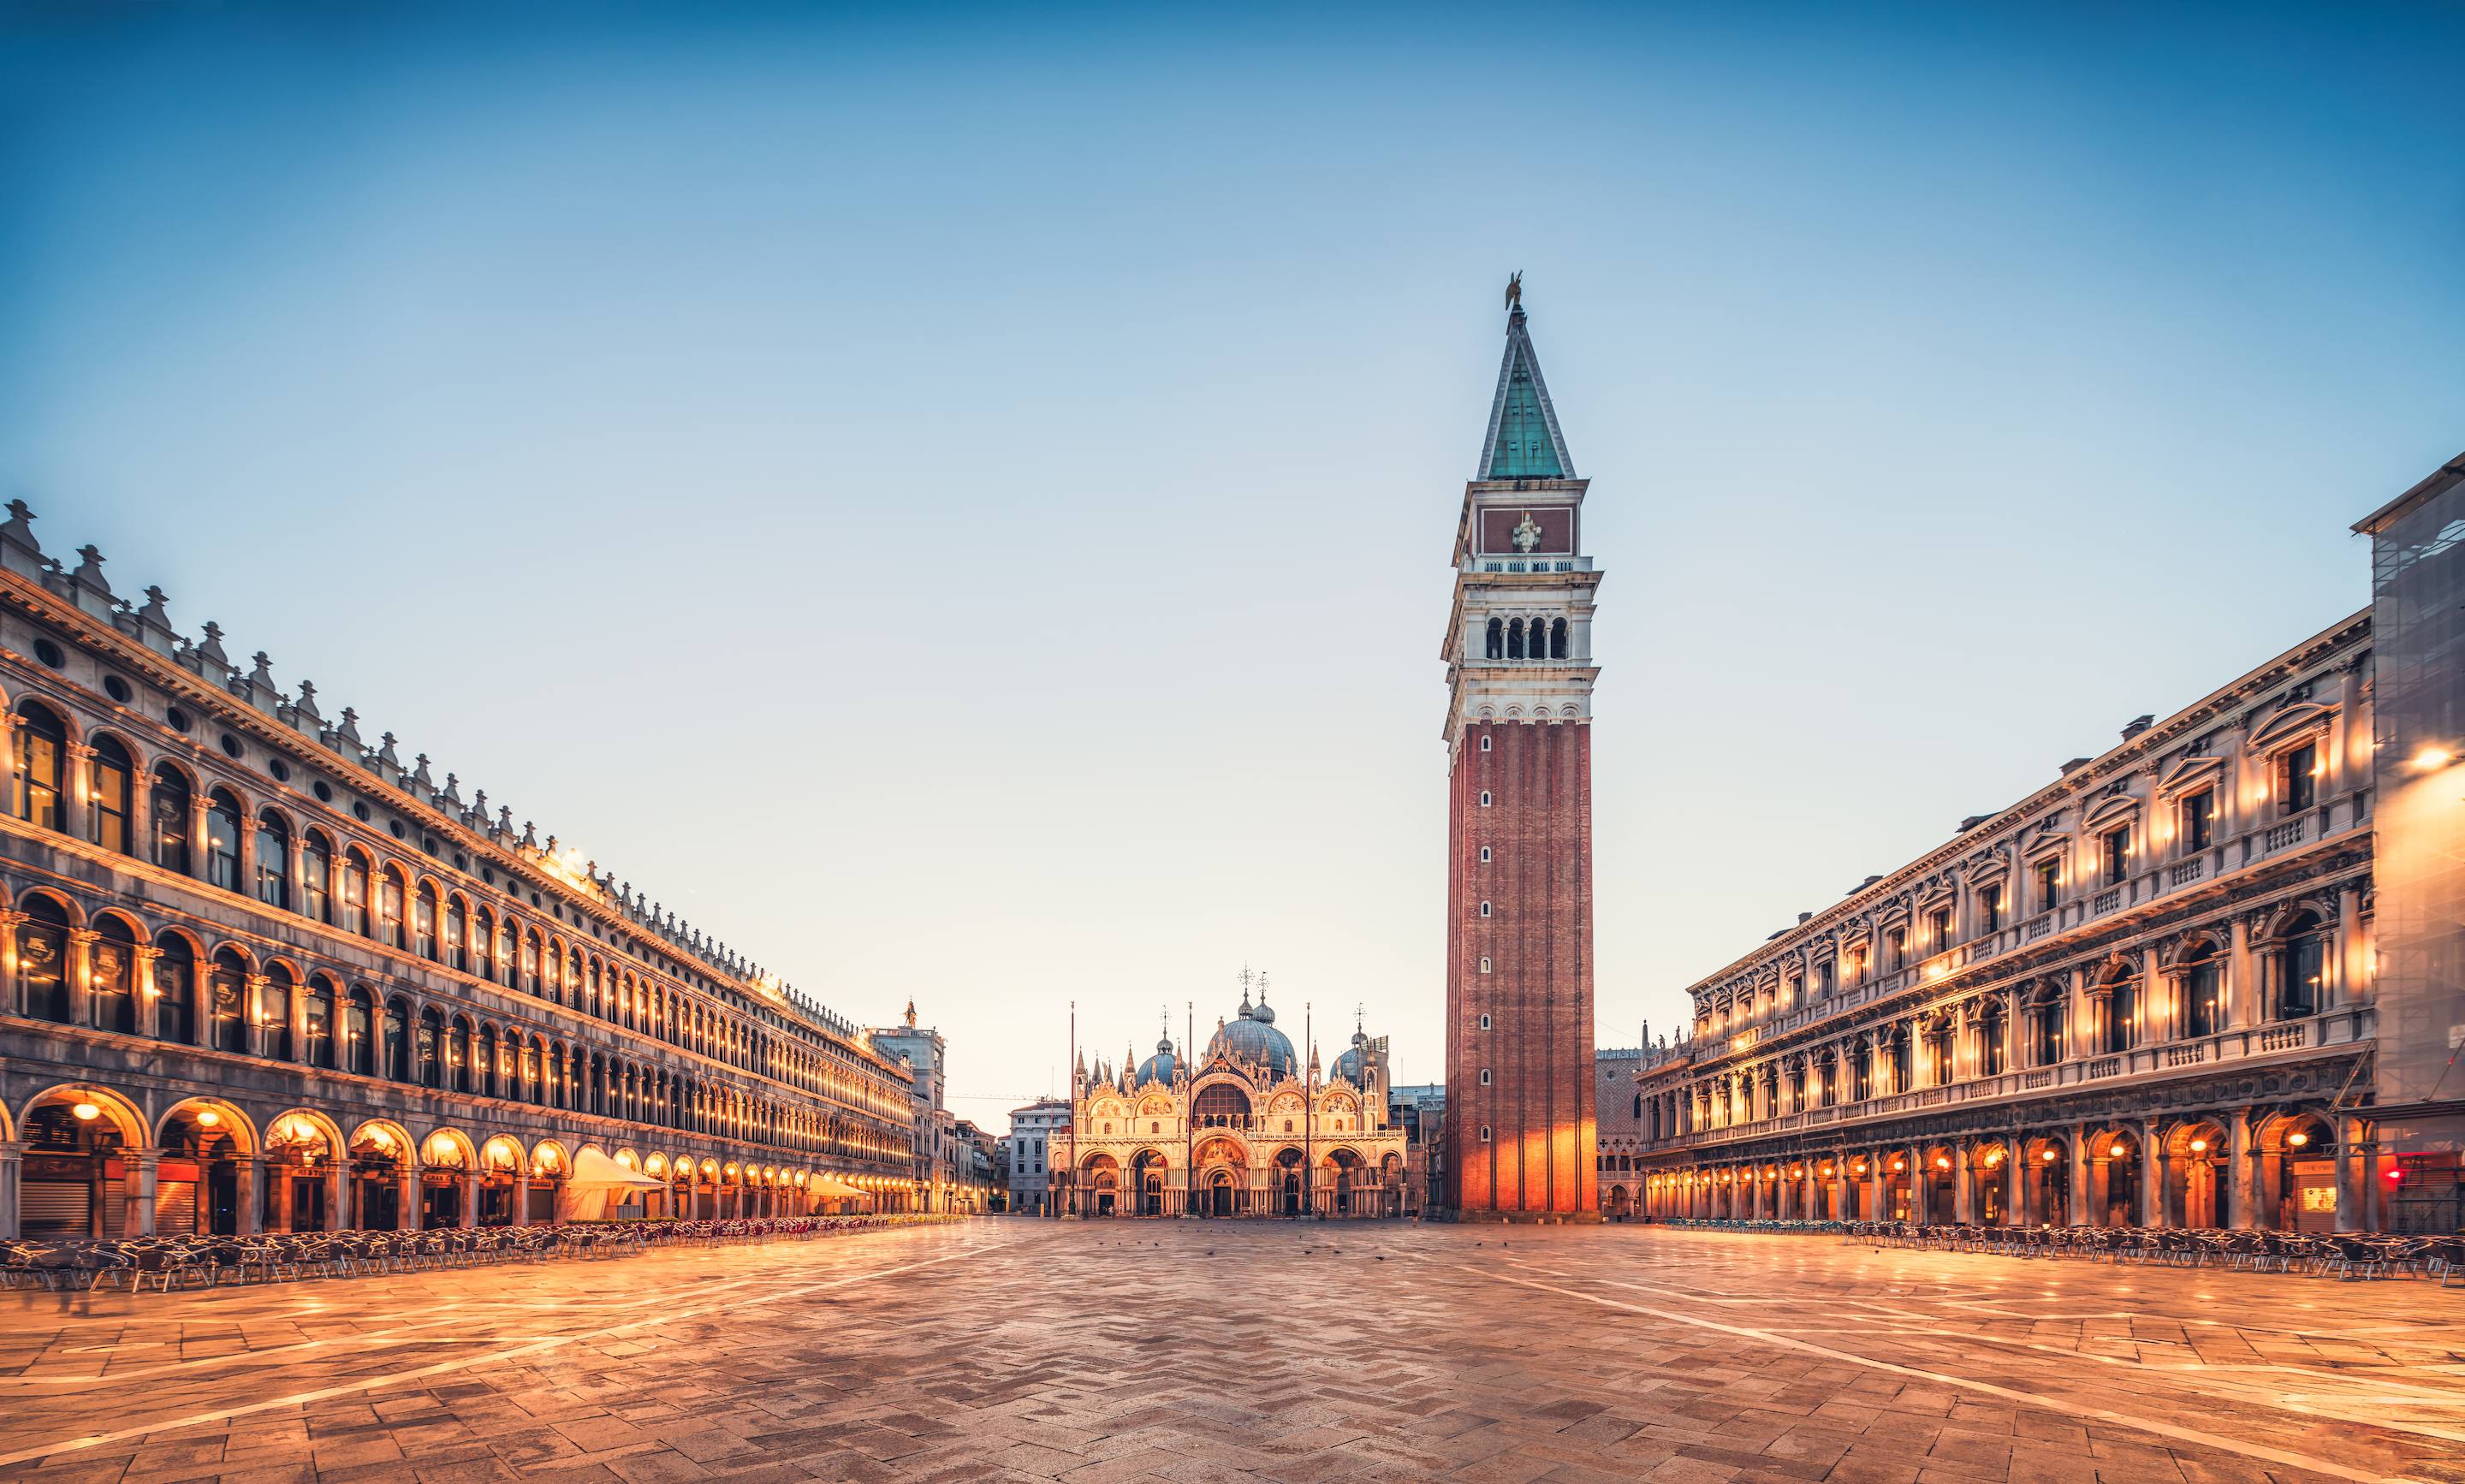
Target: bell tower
x=1520 y=1123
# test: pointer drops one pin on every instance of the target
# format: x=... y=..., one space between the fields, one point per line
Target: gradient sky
x=957 y=502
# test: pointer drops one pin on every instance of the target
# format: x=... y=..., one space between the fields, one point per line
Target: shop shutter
x=54 y=1208
x=115 y=1208
x=175 y=1208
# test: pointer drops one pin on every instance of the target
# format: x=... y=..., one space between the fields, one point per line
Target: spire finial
x=1515 y=290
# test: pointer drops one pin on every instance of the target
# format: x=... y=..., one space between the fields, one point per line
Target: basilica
x=1250 y=1129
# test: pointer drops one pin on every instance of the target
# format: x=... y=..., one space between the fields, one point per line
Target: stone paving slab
x=1104 y=1352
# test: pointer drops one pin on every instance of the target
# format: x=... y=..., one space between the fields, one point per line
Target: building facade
x=1249 y=1130
x=1619 y=1109
x=2418 y=623
x=263 y=975
x=1420 y=1110
x=2143 y=995
x=1031 y=1132
x=1519 y=674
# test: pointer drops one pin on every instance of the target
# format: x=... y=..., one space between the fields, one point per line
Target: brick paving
x=1196 y=1351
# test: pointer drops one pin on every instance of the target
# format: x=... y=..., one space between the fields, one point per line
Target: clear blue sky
x=958 y=501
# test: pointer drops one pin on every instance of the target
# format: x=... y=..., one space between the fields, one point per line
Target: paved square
x=1191 y=1351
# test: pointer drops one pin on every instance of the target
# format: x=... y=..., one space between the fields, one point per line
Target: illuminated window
x=1989 y=907
x=2199 y=820
x=1895 y=948
x=273 y=861
x=2114 y=849
x=109 y=771
x=2298 y=781
x=222 y=842
x=41 y=744
x=172 y=824
x=2049 y=884
x=1938 y=927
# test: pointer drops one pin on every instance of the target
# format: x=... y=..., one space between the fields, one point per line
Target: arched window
x=1989 y=1040
x=351 y=894
x=424 y=921
x=1515 y=638
x=274 y=1012
x=484 y=1059
x=175 y=990
x=2045 y=1028
x=2298 y=969
x=2203 y=986
x=397 y=1039
x=222 y=841
x=318 y=1014
x=389 y=894
x=359 y=1032
x=530 y=1074
x=1496 y=638
x=317 y=878
x=508 y=958
x=483 y=944
x=273 y=861
x=458 y=936
x=43 y=959
x=226 y=1001
x=41 y=744
x=1557 y=638
x=172 y=828
x=2121 y=1012
x=531 y=963
x=111 y=972
x=428 y=1049
x=458 y=1055
x=1902 y=1068
x=108 y=779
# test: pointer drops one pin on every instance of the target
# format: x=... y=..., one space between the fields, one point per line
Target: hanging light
x=2114 y=1152
x=87 y=1112
x=208 y=1118
x=2297 y=1138
x=2049 y=1155
x=2199 y=1146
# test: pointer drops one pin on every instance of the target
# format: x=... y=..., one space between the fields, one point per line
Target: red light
x=2395 y=1176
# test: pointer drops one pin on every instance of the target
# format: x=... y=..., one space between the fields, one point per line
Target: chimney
x=2137 y=725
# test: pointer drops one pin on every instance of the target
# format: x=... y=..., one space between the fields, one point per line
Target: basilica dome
x=1253 y=1037
x=1159 y=1067
x=1348 y=1066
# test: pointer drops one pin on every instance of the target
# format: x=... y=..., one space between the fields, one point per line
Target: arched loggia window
x=43 y=959
x=175 y=990
x=2297 y=969
x=172 y=829
x=317 y=878
x=1515 y=638
x=2202 y=991
x=1496 y=638
x=111 y=972
x=222 y=841
x=273 y=860
x=1557 y=638
x=41 y=745
x=226 y=1001
x=2122 y=1012
x=109 y=780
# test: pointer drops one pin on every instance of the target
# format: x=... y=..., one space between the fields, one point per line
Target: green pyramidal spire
x=1523 y=441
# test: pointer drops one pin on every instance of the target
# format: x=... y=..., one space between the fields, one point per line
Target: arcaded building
x=263 y=974
x=2143 y=995
x=1250 y=1129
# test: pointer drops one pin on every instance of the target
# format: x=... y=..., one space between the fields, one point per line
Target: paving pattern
x=1195 y=1351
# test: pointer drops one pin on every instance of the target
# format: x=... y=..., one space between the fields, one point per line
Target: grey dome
x=1253 y=1038
x=1349 y=1067
x=1159 y=1067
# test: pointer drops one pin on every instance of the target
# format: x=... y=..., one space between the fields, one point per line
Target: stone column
x=2157 y=1010
x=9 y=920
x=1962 y=1203
x=522 y=1195
x=2349 y=986
x=2241 y=1172
x=2242 y=980
x=2083 y=1208
x=1879 y=1182
x=248 y=1219
x=338 y=1212
x=470 y=1201
x=142 y=1193
x=2156 y=1184
x=2350 y=1195
x=78 y=970
x=75 y=810
x=11 y=1162
x=2016 y=1183
x=252 y=996
x=150 y=1000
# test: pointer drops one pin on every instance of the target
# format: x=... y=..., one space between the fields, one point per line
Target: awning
x=591 y=1168
x=835 y=1188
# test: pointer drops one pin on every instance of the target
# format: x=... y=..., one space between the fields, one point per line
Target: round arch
x=212 y=1113
x=111 y=1108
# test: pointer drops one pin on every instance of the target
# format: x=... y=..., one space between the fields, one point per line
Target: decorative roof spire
x=1523 y=441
